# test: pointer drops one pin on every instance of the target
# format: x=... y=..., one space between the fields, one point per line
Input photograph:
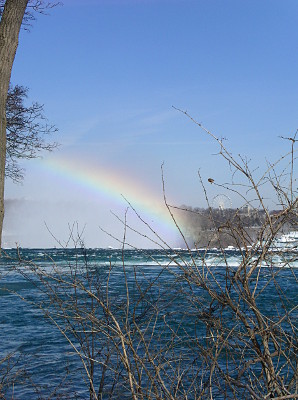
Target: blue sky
x=108 y=73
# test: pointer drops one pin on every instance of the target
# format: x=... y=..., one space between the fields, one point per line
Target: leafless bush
x=197 y=327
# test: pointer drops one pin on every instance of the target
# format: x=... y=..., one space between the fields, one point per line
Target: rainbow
x=112 y=185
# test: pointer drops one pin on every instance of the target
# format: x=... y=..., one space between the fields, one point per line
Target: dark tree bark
x=10 y=26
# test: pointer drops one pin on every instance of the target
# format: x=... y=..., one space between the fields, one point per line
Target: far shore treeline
x=204 y=231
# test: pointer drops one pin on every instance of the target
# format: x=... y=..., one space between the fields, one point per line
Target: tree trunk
x=10 y=26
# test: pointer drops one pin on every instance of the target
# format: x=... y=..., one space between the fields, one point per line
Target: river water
x=40 y=309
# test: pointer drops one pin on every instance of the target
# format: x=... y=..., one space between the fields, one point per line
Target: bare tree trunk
x=10 y=25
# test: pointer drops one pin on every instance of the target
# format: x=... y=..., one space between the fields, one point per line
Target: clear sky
x=109 y=72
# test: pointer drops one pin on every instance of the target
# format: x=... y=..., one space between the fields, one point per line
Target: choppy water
x=43 y=364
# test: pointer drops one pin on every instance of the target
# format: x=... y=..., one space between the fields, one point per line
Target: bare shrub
x=197 y=326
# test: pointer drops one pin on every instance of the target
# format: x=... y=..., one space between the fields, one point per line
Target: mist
x=45 y=224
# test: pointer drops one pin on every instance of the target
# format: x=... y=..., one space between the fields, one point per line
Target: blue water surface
x=39 y=362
